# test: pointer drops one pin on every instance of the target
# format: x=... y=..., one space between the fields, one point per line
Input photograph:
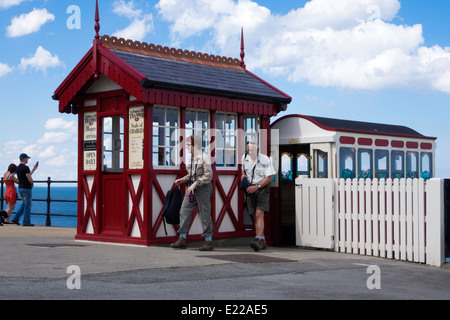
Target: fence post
x=435 y=222
x=48 y=222
x=1 y=195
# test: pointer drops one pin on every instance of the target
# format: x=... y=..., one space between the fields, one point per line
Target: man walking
x=26 y=184
x=259 y=170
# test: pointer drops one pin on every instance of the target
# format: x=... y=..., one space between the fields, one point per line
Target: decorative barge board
x=136 y=105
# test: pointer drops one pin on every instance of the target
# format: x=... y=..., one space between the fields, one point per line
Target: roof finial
x=97 y=19
x=242 y=49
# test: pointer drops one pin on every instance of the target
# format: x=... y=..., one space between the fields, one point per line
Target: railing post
x=1 y=195
x=48 y=222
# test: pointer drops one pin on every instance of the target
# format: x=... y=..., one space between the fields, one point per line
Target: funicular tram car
x=316 y=147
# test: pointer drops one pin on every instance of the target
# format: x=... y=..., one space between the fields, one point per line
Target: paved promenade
x=34 y=264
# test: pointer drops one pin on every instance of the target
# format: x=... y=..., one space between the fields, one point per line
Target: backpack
x=172 y=206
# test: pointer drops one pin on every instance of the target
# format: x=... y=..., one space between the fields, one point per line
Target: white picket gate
x=397 y=219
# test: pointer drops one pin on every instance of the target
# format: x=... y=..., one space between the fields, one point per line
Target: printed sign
x=90 y=141
x=136 y=138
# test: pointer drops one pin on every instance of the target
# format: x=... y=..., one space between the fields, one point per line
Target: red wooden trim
x=365 y=141
x=397 y=144
x=137 y=75
x=73 y=74
x=268 y=84
x=347 y=140
x=226 y=198
x=199 y=101
x=412 y=145
x=135 y=211
x=382 y=143
x=426 y=146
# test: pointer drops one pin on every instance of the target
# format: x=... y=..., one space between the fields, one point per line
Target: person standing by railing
x=26 y=184
x=10 y=193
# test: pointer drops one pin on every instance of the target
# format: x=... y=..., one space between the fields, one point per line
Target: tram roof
x=352 y=126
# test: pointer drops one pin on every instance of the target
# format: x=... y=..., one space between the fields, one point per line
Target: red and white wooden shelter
x=136 y=104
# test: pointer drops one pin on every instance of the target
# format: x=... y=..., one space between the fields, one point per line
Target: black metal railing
x=49 y=200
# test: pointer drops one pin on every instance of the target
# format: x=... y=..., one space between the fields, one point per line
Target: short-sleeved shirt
x=263 y=168
x=22 y=171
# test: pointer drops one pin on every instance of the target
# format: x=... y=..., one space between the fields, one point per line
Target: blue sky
x=383 y=61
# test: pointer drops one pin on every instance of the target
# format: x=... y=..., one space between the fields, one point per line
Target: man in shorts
x=259 y=170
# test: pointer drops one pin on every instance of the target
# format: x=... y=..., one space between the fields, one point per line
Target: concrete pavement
x=34 y=264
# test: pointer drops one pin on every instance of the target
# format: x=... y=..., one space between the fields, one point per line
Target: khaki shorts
x=259 y=200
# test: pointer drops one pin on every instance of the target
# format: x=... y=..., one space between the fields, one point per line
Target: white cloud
x=59 y=123
x=347 y=43
x=41 y=60
x=55 y=137
x=48 y=153
x=4 y=69
x=6 y=4
x=28 y=23
x=141 y=24
x=56 y=150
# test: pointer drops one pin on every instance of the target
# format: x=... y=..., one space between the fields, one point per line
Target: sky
x=384 y=61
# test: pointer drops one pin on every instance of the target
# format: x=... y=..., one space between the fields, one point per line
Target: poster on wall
x=136 y=138
x=90 y=141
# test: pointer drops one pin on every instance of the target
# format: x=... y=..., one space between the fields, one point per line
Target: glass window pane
x=172 y=118
x=381 y=164
x=347 y=163
x=365 y=164
x=397 y=159
x=426 y=166
x=220 y=121
x=412 y=163
x=220 y=158
x=286 y=166
x=202 y=117
x=303 y=165
x=158 y=116
x=322 y=164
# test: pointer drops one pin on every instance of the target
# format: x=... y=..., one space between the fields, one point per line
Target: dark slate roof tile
x=200 y=78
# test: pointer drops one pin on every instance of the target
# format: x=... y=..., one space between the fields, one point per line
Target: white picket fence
x=396 y=219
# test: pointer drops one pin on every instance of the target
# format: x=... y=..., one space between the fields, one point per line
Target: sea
x=58 y=210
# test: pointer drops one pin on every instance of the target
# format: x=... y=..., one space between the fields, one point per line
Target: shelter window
x=347 y=163
x=197 y=124
x=426 y=165
x=412 y=165
x=113 y=130
x=381 y=164
x=398 y=170
x=226 y=140
x=365 y=163
x=165 y=137
x=251 y=129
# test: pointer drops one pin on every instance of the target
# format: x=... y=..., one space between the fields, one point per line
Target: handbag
x=244 y=185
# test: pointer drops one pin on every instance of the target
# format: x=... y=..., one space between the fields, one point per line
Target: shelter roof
x=139 y=67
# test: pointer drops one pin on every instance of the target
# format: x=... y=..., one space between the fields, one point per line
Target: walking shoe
x=207 y=246
x=255 y=244
x=15 y=222
x=258 y=244
x=262 y=244
x=181 y=243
